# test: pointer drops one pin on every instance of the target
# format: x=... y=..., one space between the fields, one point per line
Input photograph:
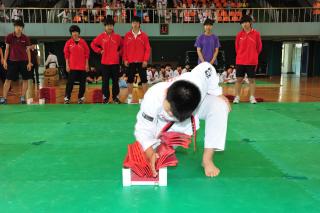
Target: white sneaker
x=81 y=100
x=66 y=100
x=253 y=100
x=129 y=99
x=236 y=100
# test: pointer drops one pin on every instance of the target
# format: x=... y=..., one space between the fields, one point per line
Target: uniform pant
x=75 y=75
x=110 y=71
x=214 y=111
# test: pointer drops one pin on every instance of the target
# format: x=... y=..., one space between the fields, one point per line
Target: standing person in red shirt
x=136 y=53
x=109 y=45
x=76 y=53
x=248 y=47
x=17 y=59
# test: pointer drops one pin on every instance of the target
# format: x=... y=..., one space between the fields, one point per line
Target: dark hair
x=108 y=21
x=51 y=51
x=208 y=22
x=184 y=97
x=136 y=19
x=245 y=18
x=18 y=23
x=74 y=28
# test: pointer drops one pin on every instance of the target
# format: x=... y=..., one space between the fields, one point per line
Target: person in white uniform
x=169 y=71
x=228 y=76
x=178 y=71
x=52 y=60
x=195 y=93
x=153 y=75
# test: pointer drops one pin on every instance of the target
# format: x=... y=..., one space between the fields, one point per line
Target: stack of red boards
x=173 y=139
x=49 y=94
x=137 y=169
x=97 y=96
x=136 y=161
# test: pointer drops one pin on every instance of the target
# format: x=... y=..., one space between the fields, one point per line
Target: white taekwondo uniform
x=152 y=117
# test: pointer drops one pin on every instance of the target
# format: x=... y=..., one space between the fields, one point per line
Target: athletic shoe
x=66 y=100
x=23 y=100
x=116 y=101
x=3 y=100
x=105 y=101
x=253 y=100
x=81 y=100
x=236 y=100
x=129 y=99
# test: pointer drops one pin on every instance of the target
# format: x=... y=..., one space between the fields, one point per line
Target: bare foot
x=210 y=169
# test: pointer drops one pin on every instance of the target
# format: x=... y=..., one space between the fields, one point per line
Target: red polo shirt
x=18 y=47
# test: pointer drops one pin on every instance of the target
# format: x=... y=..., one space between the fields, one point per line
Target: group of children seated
x=156 y=73
x=229 y=76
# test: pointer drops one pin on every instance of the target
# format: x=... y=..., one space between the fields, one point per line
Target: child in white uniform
x=197 y=93
x=228 y=76
x=169 y=71
x=162 y=74
x=153 y=75
x=178 y=71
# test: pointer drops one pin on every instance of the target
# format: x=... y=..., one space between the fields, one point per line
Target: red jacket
x=112 y=46
x=248 y=47
x=77 y=54
x=136 y=49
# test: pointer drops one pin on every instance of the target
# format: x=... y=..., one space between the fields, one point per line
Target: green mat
x=67 y=158
x=259 y=83
x=98 y=84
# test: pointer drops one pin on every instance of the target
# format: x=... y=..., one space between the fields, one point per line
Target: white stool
x=131 y=179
